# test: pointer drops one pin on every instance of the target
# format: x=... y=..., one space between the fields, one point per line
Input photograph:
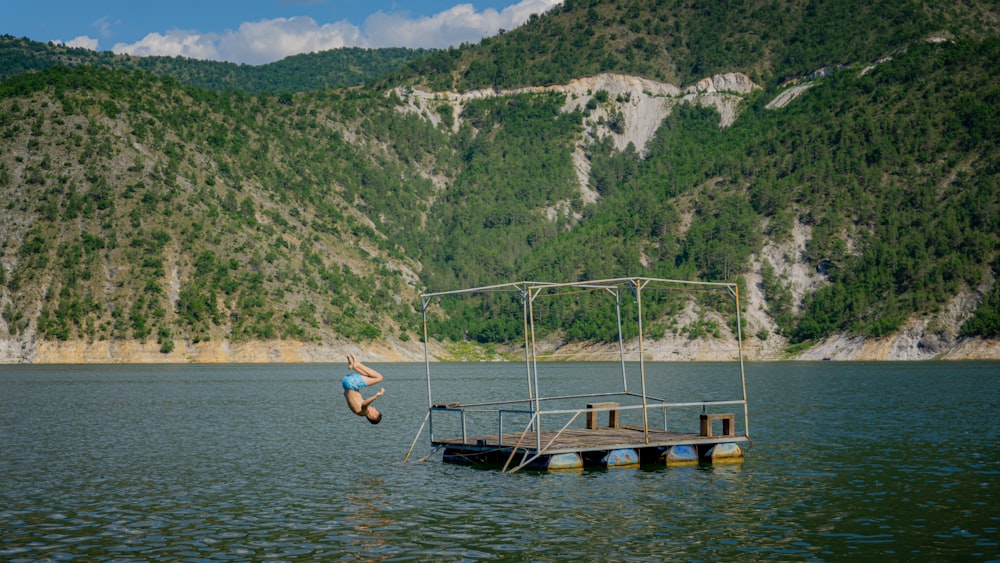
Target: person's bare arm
x=371 y=399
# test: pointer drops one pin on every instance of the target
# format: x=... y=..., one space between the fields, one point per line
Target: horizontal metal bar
x=565 y=397
x=516 y=401
x=613 y=283
x=600 y=409
x=657 y=405
x=705 y=403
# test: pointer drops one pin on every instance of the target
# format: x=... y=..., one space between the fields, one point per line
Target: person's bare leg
x=371 y=376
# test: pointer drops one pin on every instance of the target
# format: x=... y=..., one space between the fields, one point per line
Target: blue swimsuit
x=353 y=382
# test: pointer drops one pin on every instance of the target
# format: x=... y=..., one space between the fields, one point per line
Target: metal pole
x=642 y=363
x=427 y=367
x=417 y=437
x=465 y=436
x=621 y=338
x=525 y=461
x=527 y=353
x=513 y=452
x=534 y=361
x=743 y=377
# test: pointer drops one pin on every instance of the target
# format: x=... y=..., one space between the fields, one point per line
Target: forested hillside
x=852 y=186
x=337 y=68
x=137 y=209
x=680 y=41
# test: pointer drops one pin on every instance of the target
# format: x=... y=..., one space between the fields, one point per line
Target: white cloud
x=82 y=41
x=176 y=42
x=451 y=27
x=520 y=12
x=270 y=40
x=103 y=26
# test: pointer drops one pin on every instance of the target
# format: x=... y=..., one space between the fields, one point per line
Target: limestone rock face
x=734 y=82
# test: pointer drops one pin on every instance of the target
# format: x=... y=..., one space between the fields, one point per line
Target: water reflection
x=367 y=519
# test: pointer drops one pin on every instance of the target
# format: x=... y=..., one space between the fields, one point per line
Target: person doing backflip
x=359 y=377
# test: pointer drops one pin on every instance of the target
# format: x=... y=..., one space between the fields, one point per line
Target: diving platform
x=580 y=448
x=612 y=429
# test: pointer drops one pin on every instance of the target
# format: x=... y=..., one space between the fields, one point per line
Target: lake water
x=897 y=461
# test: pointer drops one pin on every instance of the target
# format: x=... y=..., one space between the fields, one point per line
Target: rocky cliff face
x=643 y=103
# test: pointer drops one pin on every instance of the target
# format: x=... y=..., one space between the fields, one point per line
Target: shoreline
x=843 y=349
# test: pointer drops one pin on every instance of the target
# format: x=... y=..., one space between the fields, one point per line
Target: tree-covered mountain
x=138 y=209
x=841 y=164
x=682 y=41
x=335 y=68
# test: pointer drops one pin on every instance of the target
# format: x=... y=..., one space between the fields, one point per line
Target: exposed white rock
x=643 y=103
x=733 y=82
x=782 y=99
x=786 y=257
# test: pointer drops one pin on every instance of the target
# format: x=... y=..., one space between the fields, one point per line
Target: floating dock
x=579 y=448
x=578 y=431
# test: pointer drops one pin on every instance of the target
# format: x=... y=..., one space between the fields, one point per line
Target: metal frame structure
x=528 y=293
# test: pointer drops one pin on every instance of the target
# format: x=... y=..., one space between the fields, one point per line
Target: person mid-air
x=359 y=377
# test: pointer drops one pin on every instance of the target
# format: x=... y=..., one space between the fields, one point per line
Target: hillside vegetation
x=681 y=41
x=337 y=68
x=139 y=209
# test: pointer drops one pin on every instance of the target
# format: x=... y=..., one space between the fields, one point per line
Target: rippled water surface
x=171 y=463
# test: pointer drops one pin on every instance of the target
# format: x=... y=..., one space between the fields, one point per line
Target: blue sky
x=260 y=31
